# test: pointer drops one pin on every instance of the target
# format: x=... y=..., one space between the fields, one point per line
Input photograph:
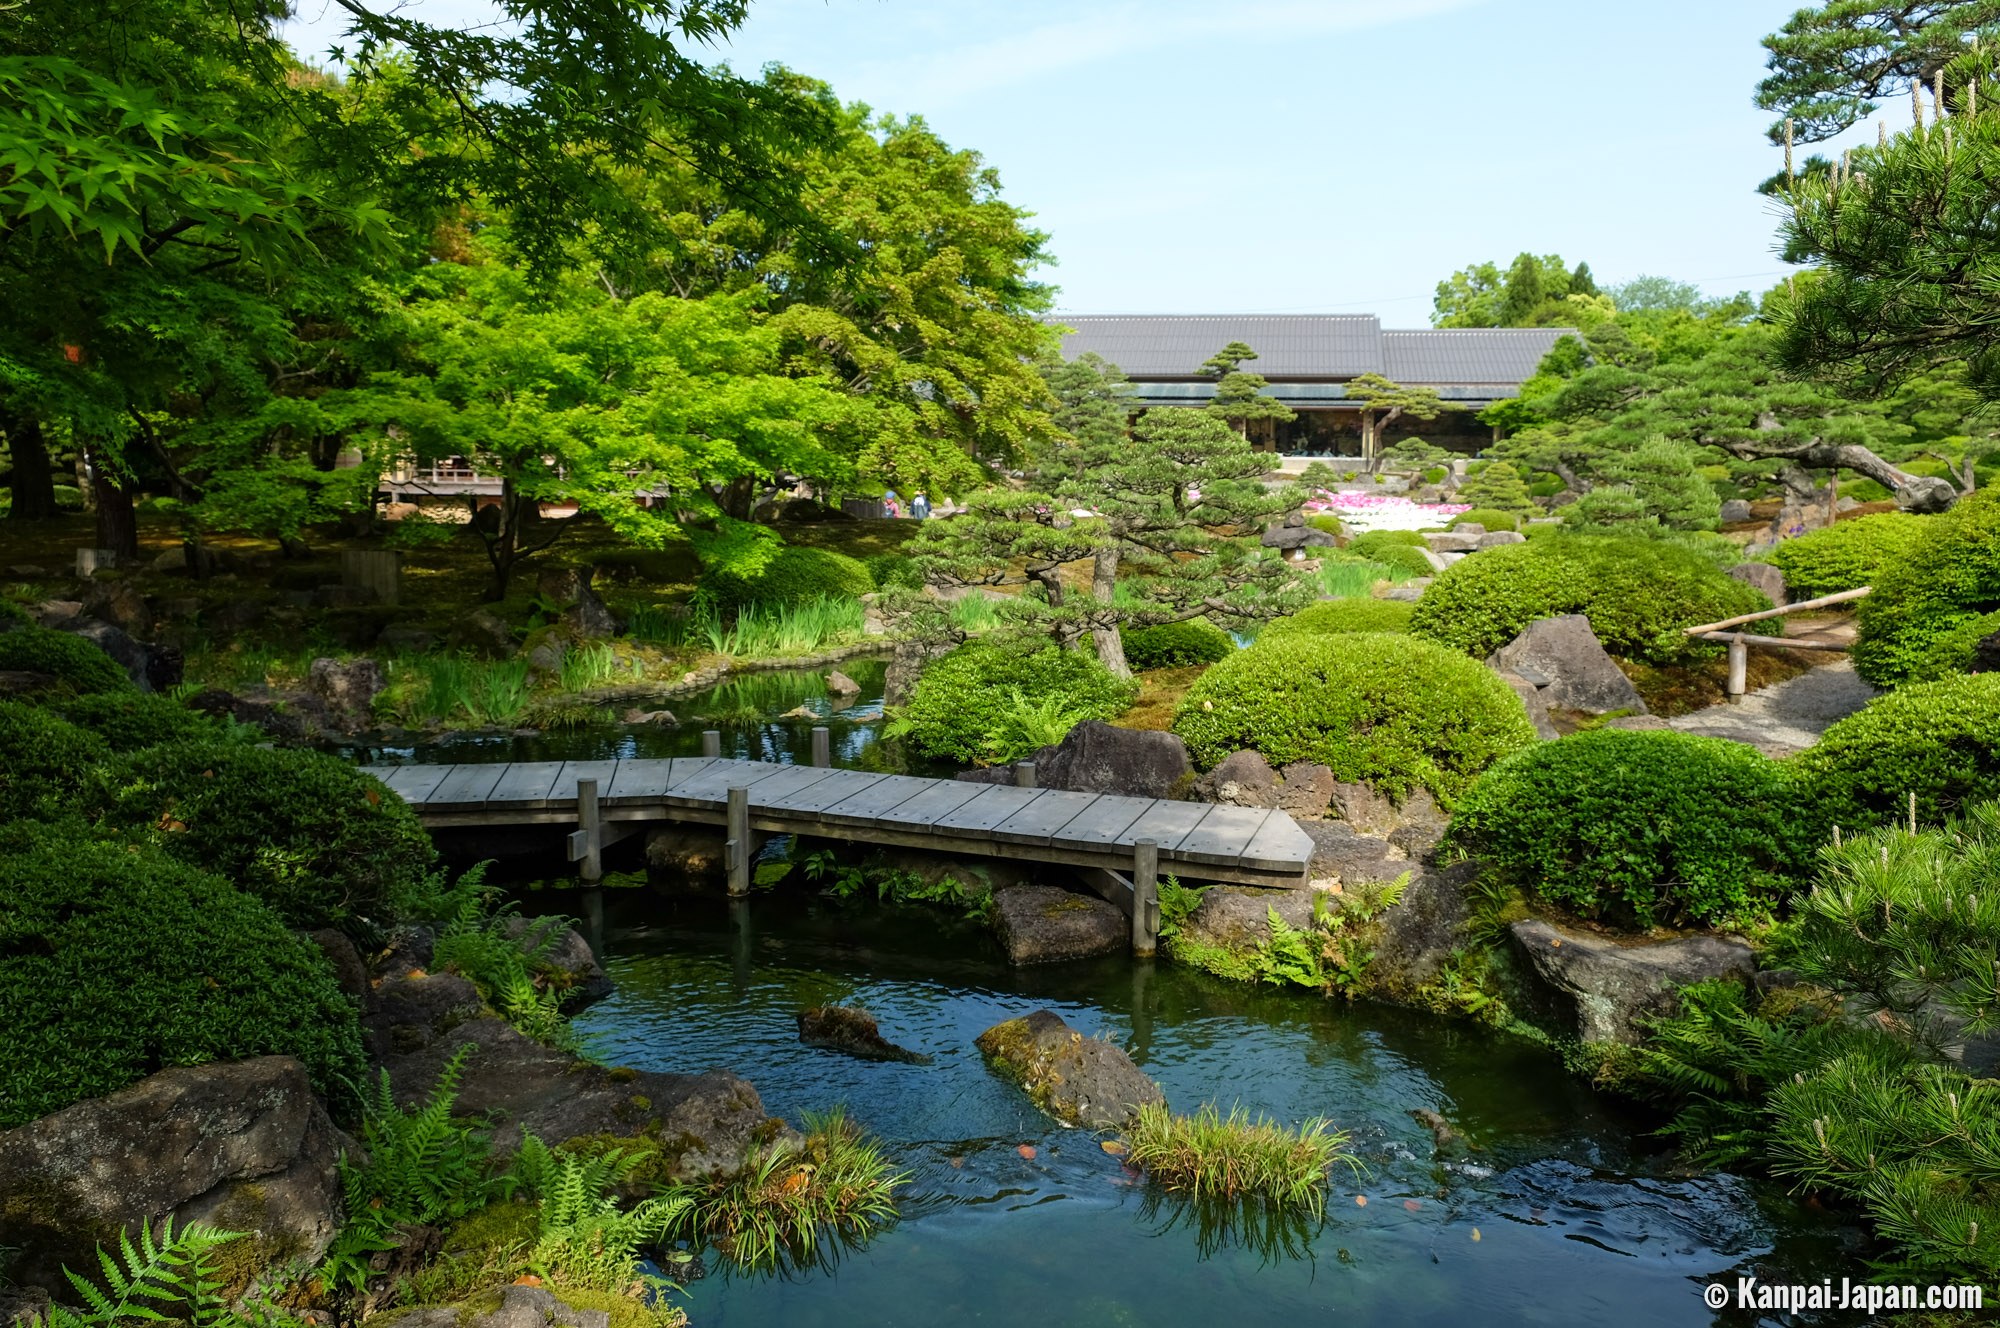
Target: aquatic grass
x=788 y=1199
x=1232 y=1158
x=1352 y=578
x=443 y=688
x=763 y=631
x=497 y=693
x=587 y=665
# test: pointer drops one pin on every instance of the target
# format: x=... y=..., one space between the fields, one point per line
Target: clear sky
x=1284 y=156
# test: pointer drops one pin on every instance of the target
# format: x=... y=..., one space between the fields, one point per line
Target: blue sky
x=1334 y=156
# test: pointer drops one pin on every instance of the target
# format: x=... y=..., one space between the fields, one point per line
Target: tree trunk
x=117 y=518
x=1103 y=586
x=1914 y=493
x=33 y=482
x=737 y=498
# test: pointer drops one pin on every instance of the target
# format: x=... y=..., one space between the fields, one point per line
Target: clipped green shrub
x=128 y=721
x=892 y=570
x=1846 y=554
x=73 y=661
x=1497 y=485
x=1490 y=517
x=45 y=762
x=122 y=963
x=1175 y=645
x=1371 y=543
x=12 y=613
x=1343 y=615
x=965 y=700
x=1917 y=623
x=794 y=575
x=1641 y=827
x=308 y=834
x=1939 y=740
x=1637 y=593
x=1389 y=710
x=1328 y=522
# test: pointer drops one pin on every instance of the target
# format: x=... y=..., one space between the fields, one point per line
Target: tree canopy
x=1831 y=66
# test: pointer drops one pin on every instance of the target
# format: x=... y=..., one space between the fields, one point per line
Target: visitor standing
x=920 y=507
x=891 y=504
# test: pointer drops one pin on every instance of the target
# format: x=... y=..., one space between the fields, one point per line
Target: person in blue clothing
x=892 y=504
x=920 y=507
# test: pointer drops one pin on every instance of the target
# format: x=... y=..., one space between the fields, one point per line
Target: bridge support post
x=822 y=747
x=1145 y=898
x=711 y=743
x=1024 y=774
x=737 y=851
x=587 y=844
x=1739 y=669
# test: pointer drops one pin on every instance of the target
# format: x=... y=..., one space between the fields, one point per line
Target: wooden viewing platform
x=1101 y=832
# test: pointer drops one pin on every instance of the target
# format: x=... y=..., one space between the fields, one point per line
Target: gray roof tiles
x=1467 y=354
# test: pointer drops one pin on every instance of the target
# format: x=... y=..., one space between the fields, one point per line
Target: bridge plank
x=710 y=786
x=877 y=803
x=639 y=782
x=1166 y=823
x=1279 y=845
x=467 y=786
x=773 y=793
x=412 y=783
x=1103 y=822
x=994 y=804
x=942 y=798
x=1040 y=819
x=526 y=784
x=1223 y=835
x=563 y=794
x=843 y=785
x=686 y=768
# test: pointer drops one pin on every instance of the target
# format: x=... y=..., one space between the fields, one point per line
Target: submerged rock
x=1595 y=988
x=854 y=1032
x=1044 y=924
x=1448 y=1141
x=691 y=852
x=1079 y=1080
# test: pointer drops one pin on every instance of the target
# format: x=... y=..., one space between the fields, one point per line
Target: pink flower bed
x=1382 y=511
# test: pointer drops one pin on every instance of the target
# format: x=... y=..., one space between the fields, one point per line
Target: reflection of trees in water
x=1274 y=1232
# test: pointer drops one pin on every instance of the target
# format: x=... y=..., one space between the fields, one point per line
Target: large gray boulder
x=1986 y=654
x=1240 y=779
x=687 y=854
x=1532 y=702
x=1079 y=1080
x=569 y=589
x=151 y=667
x=1455 y=541
x=1567 y=664
x=1415 y=938
x=347 y=688
x=1735 y=511
x=1493 y=539
x=1095 y=757
x=1043 y=924
x=1414 y=826
x=507 y=1307
x=243 y=1145
x=1763 y=577
x=852 y=1032
x=1237 y=918
x=1595 y=988
x=563 y=961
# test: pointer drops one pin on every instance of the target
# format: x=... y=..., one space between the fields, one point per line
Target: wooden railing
x=1740 y=642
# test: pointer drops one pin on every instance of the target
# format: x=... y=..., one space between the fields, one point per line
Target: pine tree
x=1382 y=403
x=1498 y=485
x=1239 y=396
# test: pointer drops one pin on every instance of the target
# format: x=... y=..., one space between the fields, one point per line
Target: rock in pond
x=1595 y=987
x=507 y=1307
x=1044 y=924
x=1237 y=918
x=839 y=684
x=693 y=852
x=854 y=1032
x=242 y=1145
x=1079 y=1080
x=563 y=960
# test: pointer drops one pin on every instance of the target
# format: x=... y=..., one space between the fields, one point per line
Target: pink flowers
x=1383 y=511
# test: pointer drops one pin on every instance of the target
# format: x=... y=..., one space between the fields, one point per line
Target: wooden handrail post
x=1145 y=898
x=711 y=742
x=1024 y=774
x=1859 y=592
x=822 y=747
x=736 y=850
x=1739 y=668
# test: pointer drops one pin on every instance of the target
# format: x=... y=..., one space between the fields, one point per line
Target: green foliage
x=1327 y=522
x=1236 y=1158
x=454 y=688
x=418 y=1166
x=73 y=661
x=891 y=570
x=1846 y=554
x=169 y=1276
x=46 y=763
x=1654 y=486
x=1914 y=626
x=962 y=704
x=1533 y=291
x=965 y=892
x=794 y=575
x=1645 y=827
x=122 y=962
x=1404 y=558
x=1372 y=543
x=1937 y=740
x=310 y=835
x=502 y=954
x=1344 y=577
x=1380 y=402
x=1637 y=593
x=583 y=1236
x=129 y=721
x=1239 y=396
x=1493 y=518
x=787 y=1199
x=1343 y=615
x=1177 y=904
x=1497 y=485
x=1176 y=645
x=1389 y=710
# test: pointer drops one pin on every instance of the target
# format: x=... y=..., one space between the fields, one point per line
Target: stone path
x=1786 y=718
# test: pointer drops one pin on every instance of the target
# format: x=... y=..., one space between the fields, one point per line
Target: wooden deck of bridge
x=1098 y=831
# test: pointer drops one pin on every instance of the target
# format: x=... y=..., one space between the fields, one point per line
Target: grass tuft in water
x=1234 y=1158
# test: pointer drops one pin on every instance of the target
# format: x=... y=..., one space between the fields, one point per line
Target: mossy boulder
x=1079 y=1080
x=1045 y=924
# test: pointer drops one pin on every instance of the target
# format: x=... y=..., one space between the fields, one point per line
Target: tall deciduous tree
x=1533 y=291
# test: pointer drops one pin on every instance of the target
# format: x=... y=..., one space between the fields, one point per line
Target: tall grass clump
x=587 y=665
x=1352 y=578
x=974 y=614
x=1234 y=1158
x=450 y=687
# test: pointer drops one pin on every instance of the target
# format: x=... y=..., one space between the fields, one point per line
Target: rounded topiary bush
x=1343 y=615
x=308 y=834
x=1637 y=593
x=1372 y=543
x=1641 y=827
x=121 y=963
x=1490 y=517
x=1846 y=554
x=891 y=571
x=1175 y=645
x=966 y=702
x=793 y=575
x=1939 y=740
x=1921 y=620
x=1327 y=522
x=45 y=762
x=73 y=661
x=128 y=721
x=1388 y=710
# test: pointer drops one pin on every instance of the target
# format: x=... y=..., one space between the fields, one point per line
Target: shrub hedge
x=1176 y=645
x=1642 y=827
x=77 y=663
x=1846 y=554
x=1328 y=522
x=1939 y=740
x=1637 y=593
x=963 y=699
x=1370 y=543
x=129 y=721
x=45 y=762
x=122 y=963
x=314 y=838
x=892 y=570
x=1390 y=710
x=793 y=575
x=1490 y=517
x=1343 y=615
x=1920 y=621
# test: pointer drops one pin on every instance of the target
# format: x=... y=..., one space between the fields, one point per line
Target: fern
x=475 y=944
x=583 y=1238
x=168 y=1276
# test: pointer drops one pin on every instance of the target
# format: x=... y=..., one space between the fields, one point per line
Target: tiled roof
x=1467 y=354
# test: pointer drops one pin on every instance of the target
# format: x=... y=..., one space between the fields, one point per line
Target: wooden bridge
x=1103 y=835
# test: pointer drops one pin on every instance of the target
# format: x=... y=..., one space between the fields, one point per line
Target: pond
x=1563 y=1212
